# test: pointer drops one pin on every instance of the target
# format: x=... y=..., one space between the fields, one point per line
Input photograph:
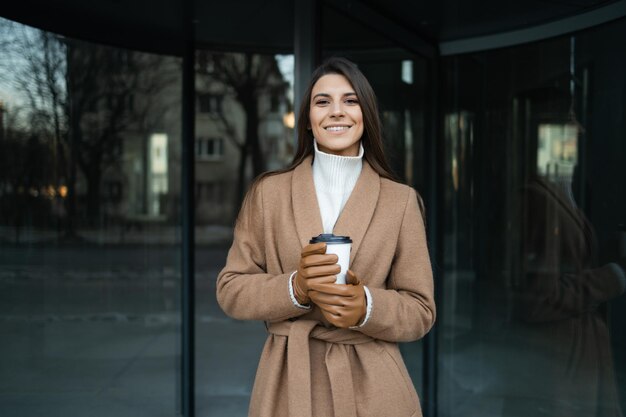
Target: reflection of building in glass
x=158 y=172
x=111 y=132
x=124 y=126
x=209 y=148
x=557 y=150
x=242 y=129
x=146 y=185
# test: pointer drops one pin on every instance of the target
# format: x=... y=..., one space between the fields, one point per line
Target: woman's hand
x=342 y=305
x=315 y=268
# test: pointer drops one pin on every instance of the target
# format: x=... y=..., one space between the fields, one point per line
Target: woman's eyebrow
x=350 y=93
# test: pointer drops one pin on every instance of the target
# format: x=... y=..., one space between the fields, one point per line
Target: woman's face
x=335 y=116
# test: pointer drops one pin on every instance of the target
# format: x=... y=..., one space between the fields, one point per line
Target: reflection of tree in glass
x=82 y=100
x=25 y=170
x=245 y=76
x=111 y=95
x=33 y=72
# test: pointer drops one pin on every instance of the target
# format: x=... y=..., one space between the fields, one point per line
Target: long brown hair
x=372 y=139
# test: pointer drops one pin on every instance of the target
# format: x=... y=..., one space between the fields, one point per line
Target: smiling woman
x=332 y=348
x=336 y=118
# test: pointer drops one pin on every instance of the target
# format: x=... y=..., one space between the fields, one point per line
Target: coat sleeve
x=245 y=291
x=405 y=310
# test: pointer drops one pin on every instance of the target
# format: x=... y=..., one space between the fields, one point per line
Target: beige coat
x=348 y=373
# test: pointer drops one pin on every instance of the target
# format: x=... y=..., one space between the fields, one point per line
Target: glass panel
x=400 y=81
x=247 y=131
x=89 y=228
x=535 y=250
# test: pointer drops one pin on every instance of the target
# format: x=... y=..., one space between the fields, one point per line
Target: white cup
x=340 y=246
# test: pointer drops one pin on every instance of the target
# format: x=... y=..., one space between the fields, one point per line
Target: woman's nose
x=336 y=109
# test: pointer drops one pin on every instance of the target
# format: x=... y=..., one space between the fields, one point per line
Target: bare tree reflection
x=33 y=64
x=24 y=172
x=80 y=102
x=246 y=76
x=110 y=96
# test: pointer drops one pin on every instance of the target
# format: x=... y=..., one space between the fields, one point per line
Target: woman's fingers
x=320 y=271
x=323 y=259
x=321 y=281
x=329 y=299
x=331 y=288
x=313 y=248
x=338 y=316
x=329 y=308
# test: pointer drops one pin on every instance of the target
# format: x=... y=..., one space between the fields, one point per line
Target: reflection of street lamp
x=289 y=120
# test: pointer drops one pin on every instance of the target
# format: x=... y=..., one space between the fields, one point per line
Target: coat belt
x=337 y=364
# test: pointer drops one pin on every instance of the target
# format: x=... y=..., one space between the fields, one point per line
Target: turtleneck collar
x=336 y=173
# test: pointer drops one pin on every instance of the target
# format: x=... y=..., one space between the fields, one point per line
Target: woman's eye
x=352 y=101
x=321 y=102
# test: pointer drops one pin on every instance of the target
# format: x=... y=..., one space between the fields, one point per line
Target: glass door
x=89 y=228
x=244 y=126
x=534 y=273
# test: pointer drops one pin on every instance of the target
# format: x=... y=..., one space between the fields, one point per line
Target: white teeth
x=337 y=128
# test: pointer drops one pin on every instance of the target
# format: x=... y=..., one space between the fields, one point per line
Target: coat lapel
x=355 y=216
x=306 y=209
x=359 y=209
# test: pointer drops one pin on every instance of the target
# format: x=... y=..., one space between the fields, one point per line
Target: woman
x=332 y=348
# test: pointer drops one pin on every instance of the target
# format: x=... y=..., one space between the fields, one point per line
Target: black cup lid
x=330 y=239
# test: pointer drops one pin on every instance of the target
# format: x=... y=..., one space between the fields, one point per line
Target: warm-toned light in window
x=289 y=120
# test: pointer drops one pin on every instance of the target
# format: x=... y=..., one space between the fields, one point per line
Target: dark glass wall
x=244 y=126
x=89 y=228
x=532 y=312
x=532 y=306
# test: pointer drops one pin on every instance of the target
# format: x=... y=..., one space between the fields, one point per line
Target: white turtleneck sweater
x=334 y=177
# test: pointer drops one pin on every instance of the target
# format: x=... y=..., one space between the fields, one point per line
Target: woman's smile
x=339 y=129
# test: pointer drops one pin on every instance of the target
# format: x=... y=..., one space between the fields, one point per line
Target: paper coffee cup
x=340 y=246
